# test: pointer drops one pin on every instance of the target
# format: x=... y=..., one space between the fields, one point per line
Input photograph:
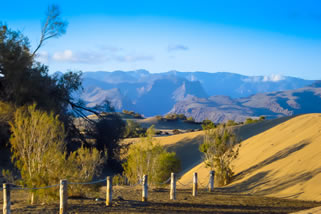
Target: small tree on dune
x=219 y=149
x=148 y=157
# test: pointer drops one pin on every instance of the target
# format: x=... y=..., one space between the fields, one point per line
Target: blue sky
x=249 y=37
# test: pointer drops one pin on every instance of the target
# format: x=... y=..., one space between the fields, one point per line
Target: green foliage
x=133 y=129
x=181 y=116
x=6 y=115
x=176 y=131
x=119 y=179
x=150 y=158
x=219 y=149
x=133 y=114
x=207 y=124
x=158 y=117
x=8 y=176
x=167 y=163
x=107 y=132
x=231 y=123
x=38 y=148
x=250 y=120
x=171 y=117
x=190 y=120
x=174 y=117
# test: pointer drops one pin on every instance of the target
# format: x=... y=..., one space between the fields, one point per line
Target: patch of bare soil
x=128 y=200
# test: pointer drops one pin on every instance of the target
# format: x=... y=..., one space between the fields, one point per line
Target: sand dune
x=186 y=145
x=284 y=161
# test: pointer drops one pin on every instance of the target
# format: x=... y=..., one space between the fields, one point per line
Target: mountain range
x=216 y=96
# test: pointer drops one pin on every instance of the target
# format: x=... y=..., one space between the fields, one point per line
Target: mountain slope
x=154 y=94
x=271 y=105
x=284 y=161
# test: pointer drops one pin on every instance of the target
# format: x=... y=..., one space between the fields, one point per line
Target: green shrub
x=176 y=131
x=167 y=163
x=171 y=117
x=182 y=116
x=119 y=180
x=138 y=116
x=249 y=120
x=133 y=129
x=219 y=149
x=38 y=148
x=231 y=123
x=207 y=124
x=150 y=158
x=158 y=117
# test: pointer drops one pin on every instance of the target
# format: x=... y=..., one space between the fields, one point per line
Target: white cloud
x=90 y=57
x=273 y=78
x=66 y=55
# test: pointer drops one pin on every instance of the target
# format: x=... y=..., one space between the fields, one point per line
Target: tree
x=6 y=114
x=38 y=148
x=133 y=129
x=23 y=81
x=52 y=27
x=107 y=131
x=148 y=157
x=207 y=124
x=219 y=149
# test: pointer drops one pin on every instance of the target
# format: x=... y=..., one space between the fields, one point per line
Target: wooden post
x=6 y=199
x=145 y=188
x=172 y=195
x=195 y=184
x=109 y=191
x=63 y=196
x=211 y=182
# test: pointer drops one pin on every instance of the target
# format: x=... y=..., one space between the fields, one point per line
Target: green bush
x=249 y=120
x=171 y=117
x=219 y=149
x=182 y=116
x=158 y=117
x=38 y=151
x=207 y=124
x=176 y=131
x=231 y=123
x=150 y=158
x=133 y=129
x=167 y=163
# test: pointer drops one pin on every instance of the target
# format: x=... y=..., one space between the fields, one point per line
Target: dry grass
x=127 y=200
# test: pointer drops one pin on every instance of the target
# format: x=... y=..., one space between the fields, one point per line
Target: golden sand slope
x=284 y=161
x=186 y=145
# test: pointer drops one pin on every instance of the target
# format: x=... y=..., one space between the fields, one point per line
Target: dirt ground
x=128 y=200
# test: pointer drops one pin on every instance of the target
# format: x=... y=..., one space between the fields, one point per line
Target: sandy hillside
x=186 y=145
x=284 y=161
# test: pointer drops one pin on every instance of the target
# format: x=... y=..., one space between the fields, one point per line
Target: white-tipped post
x=6 y=199
x=195 y=184
x=145 y=188
x=173 y=187
x=109 y=191
x=63 y=196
